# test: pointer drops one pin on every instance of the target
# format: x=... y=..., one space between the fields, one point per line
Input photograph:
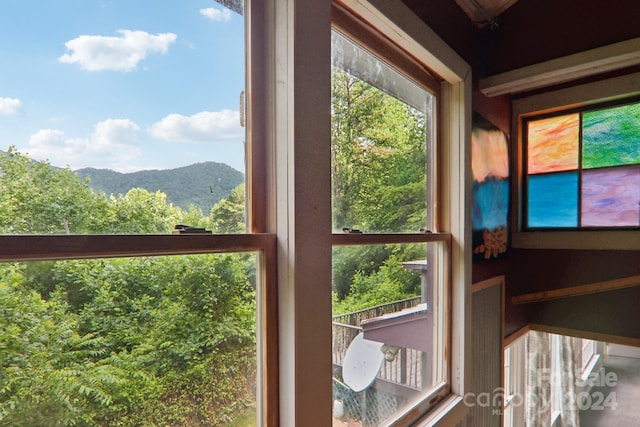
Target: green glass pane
x=611 y=137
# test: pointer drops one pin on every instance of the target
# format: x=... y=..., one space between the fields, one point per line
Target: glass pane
x=141 y=99
x=381 y=125
x=610 y=197
x=553 y=200
x=129 y=342
x=552 y=144
x=387 y=353
x=611 y=137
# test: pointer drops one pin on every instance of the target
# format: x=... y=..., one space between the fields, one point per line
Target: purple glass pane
x=611 y=197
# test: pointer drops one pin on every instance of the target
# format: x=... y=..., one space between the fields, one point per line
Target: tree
x=141 y=212
x=37 y=198
x=228 y=215
x=51 y=374
x=379 y=184
x=120 y=342
x=378 y=157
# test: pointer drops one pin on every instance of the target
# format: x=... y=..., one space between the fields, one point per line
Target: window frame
x=575 y=97
x=385 y=50
x=580 y=171
x=514 y=381
x=393 y=21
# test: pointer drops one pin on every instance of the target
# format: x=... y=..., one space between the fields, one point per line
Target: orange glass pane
x=553 y=144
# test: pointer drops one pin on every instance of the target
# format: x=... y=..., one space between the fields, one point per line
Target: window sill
x=601 y=240
x=448 y=413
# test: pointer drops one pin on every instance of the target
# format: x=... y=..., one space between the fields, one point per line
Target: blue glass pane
x=553 y=200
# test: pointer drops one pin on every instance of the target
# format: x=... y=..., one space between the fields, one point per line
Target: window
x=137 y=114
x=579 y=167
x=98 y=291
x=288 y=189
x=583 y=168
x=385 y=295
x=390 y=252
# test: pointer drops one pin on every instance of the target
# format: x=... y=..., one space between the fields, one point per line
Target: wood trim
x=573 y=291
x=493 y=281
x=53 y=247
x=396 y=20
x=357 y=29
x=582 y=64
x=598 y=336
x=257 y=116
x=269 y=347
x=345 y=239
x=515 y=336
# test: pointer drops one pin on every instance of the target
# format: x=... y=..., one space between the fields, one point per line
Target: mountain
x=200 y=184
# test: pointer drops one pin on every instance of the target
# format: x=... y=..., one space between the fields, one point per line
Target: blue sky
x=121 y=84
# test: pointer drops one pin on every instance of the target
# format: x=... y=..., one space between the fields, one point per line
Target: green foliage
x=228 y=215
x=379 y=185
x=119 y=342
x=140 y=212
x=385 y=282
x=351 y=260
x=36 y=198
x=51 y=374
x=379 y=159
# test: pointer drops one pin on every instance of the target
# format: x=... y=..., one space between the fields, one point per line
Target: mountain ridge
x=201 y=184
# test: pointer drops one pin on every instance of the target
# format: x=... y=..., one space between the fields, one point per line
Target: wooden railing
x=405 y=369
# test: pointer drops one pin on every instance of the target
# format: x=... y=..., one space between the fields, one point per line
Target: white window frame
x=514 y=382
x=299 y=208
x=588 y=351
x=576 y=96
x=555 y=344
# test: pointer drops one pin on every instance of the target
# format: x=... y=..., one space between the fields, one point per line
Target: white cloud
x=206 y=126
x=112 y=145
x=10 y=106
x=216 y=15
x=123 y=53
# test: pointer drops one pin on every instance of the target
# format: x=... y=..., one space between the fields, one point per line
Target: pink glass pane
x=553 y=144
x=611 y=197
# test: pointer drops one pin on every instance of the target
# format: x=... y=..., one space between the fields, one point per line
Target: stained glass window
x=583 y=168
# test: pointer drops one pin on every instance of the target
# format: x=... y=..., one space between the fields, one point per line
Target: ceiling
x=484 y=12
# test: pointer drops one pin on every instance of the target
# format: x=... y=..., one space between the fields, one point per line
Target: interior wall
x=529 y=32
x=533 y=31
x=611 y=312
x=449 y=22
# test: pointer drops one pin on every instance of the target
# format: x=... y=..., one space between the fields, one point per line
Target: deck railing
x=404 y=369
